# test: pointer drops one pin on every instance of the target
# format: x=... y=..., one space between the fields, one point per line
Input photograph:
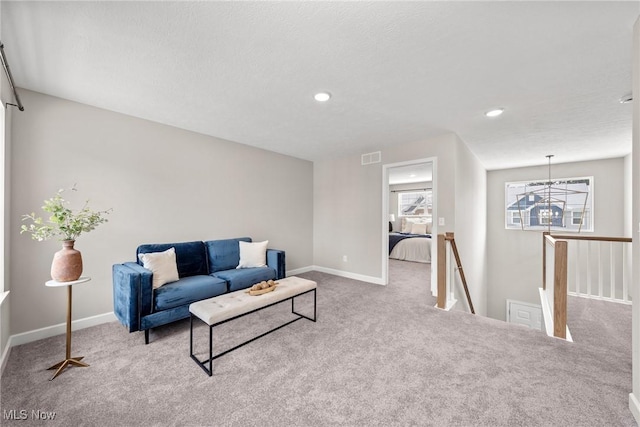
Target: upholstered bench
x=223 y=308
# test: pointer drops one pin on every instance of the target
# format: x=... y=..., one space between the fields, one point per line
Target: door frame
x=385 y=218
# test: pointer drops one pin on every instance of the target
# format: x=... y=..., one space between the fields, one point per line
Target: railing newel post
x=442 y=278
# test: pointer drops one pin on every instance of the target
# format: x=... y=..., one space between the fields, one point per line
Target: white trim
x=634 y=407
x=340 y=273
x=547 y=318
x=349 y=275
x=585 y=296
x=5 y=353
x=5 y=356
x=61 y=328
x=449 y=304
x=299 y=270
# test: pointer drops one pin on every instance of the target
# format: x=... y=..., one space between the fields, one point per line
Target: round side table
x=60 y=366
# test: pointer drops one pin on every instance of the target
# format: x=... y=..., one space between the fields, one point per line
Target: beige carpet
x=377 y=356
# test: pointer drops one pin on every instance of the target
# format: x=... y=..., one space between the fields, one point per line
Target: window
x=576 y=217
x=414 y=203
x=515 y=217
x=564 y=204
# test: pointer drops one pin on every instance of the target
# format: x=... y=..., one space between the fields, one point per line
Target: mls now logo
x=23 y=414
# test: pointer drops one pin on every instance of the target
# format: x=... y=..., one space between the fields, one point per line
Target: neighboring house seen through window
x=563 y=205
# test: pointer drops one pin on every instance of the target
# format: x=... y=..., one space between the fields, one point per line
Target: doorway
x=404 y=185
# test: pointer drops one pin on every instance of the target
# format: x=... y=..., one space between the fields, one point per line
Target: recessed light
x=322 y=96
x=494 y=113
x=626 y=99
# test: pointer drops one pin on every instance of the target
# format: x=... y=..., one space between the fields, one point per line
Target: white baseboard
x=634 y=407
x=449 y=304
x=61 y=328
x=547 y=317
x=299 y=271
x=5 y=356
x=349 y=275
x=346 y=274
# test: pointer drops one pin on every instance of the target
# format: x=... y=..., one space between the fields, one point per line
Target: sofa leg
x=146 y=336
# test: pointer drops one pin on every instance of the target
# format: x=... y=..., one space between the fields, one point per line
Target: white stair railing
x=600 y=268
x=591 y=267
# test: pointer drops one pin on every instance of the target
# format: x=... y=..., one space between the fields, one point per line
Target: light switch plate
x=441 y=221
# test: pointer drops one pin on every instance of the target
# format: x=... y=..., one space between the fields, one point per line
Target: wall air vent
x=370 y=158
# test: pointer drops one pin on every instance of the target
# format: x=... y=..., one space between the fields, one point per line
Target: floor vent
x=370 y=158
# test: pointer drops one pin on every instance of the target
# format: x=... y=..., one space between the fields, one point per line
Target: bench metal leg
x=201 y=364
x=302 y=315
x=210 y=350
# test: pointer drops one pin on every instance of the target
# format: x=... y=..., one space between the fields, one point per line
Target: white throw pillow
x=163 y=265
x=419 y=229
x=253 y=254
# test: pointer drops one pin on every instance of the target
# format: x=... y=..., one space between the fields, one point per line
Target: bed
x=412 y=242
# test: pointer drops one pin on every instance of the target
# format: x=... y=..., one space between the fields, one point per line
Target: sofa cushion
x=187 y=290
x=224 y=254
x=190 y=256
x=245 y=277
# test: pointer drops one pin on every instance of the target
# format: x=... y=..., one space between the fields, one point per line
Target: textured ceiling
x=399 y=72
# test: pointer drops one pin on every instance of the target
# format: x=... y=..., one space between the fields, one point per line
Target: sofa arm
x=276 y=260
x=132 y=293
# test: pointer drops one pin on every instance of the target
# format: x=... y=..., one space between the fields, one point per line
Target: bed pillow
x=163 y=265
x=253 y=254
x=419 y=228
x=429 y=224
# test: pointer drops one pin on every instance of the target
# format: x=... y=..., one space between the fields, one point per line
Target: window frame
x=428 y=195
x=535 y=192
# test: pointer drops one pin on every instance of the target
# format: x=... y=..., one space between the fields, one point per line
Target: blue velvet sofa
x=205 y=269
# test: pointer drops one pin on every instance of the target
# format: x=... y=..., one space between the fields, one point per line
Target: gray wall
x=515 y=256
x=634 y=401
x=347 y=208
x=348 y=204
x=164 y=185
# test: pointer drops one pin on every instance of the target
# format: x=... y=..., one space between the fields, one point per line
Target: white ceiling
x=398 y=71
x=408 y=174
